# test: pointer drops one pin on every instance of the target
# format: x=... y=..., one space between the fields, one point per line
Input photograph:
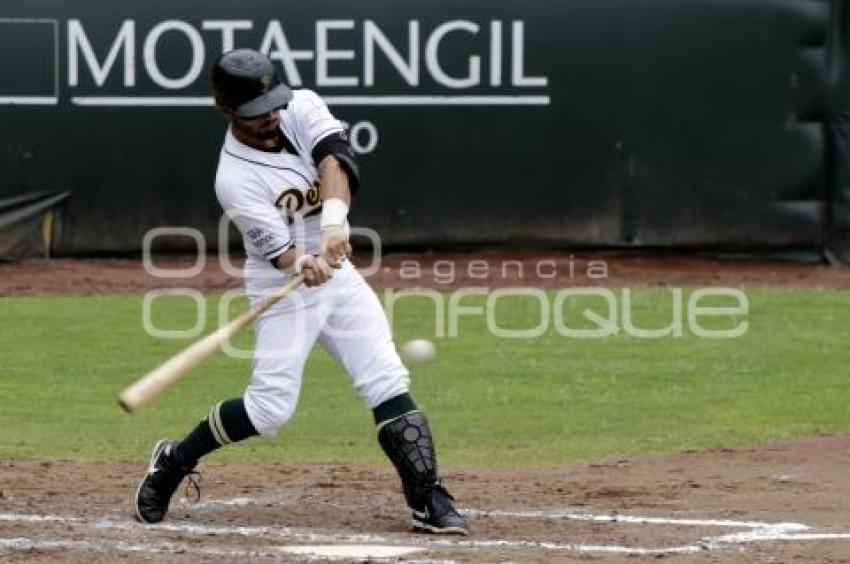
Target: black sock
x=226 y=423
x=394 y=407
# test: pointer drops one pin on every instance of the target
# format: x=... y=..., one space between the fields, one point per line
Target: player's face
x=261 y=128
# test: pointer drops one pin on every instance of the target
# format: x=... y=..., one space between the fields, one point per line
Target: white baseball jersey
x=274 y=197
x=275 y=200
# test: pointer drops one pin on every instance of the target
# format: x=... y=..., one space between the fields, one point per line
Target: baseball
x=418 y=350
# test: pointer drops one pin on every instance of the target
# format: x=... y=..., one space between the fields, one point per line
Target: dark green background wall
x=671 y=122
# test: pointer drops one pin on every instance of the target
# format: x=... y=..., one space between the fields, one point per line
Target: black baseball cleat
x=160 y=482
x=439 y=515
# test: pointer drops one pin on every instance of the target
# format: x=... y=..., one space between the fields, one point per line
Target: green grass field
x=492 y=401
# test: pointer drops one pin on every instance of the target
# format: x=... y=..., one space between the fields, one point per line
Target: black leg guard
x=407 y=442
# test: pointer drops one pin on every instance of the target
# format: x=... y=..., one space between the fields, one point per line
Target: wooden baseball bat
x=149 y=386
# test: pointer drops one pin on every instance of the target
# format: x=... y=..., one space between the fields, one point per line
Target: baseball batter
x=285 y=176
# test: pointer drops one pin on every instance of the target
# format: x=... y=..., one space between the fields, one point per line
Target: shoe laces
x=192 y=491
x=171 y=475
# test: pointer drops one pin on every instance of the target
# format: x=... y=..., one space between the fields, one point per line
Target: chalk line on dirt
x=757 y=532
x=306 y=535
x=573 y=515
x=109 y=545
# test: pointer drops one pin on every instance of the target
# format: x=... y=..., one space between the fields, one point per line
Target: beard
x=267 y=134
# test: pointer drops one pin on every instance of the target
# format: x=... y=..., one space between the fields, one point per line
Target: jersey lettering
x=297 y=202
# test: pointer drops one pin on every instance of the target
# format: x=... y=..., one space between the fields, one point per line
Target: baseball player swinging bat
x=147 y=388
x=284 y=159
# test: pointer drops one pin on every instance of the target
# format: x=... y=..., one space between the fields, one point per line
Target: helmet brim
x=275 y=99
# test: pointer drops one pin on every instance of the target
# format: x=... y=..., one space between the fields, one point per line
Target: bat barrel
x=144 y=390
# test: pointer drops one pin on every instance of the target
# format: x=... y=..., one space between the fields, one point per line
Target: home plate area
x=562 y=534
x=777 y=503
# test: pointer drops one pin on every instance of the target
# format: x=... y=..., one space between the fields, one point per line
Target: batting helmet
x=245 y=81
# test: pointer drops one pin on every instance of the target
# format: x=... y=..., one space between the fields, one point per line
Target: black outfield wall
x=610 y=122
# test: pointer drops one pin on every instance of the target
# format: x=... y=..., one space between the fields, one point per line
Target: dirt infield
x=779 y=503
x=787 y=502
x=443 y=271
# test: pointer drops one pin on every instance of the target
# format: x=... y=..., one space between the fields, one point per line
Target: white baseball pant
x=346 y=317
